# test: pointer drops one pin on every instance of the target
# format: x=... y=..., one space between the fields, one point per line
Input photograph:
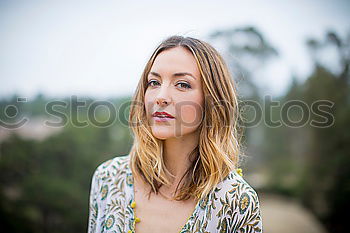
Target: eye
x=184 y=85
x=150 y=82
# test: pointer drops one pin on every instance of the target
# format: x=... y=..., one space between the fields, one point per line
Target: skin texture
x=172 y=94
x=169 y=93
x=183 y=103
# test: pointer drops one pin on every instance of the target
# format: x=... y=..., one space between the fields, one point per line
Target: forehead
x=176 y=59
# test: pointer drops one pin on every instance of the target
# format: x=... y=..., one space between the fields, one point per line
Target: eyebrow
x=179 y=74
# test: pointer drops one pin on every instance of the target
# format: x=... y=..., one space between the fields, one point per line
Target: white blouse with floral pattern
x=233 y=205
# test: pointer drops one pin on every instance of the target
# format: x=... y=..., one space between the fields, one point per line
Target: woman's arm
x=93 y=204
x=250 y=219
x=238 y=206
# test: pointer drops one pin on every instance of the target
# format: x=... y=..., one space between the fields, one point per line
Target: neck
x=176 y=155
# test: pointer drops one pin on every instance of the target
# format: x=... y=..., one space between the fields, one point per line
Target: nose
x=162 y=102
x=162 y=98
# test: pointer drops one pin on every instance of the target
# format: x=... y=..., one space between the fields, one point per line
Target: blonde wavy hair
x=218 y=149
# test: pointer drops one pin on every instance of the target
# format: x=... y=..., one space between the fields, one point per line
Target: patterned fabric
x=233 y=205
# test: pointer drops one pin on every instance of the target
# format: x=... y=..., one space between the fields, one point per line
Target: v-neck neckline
x=132 y=187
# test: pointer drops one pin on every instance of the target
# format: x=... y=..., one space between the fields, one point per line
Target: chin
x=166 y=133
x=163 y=134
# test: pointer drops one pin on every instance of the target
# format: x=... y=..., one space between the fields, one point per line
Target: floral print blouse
x=232 y=206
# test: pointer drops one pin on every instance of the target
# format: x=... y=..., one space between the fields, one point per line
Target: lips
x=162 y=115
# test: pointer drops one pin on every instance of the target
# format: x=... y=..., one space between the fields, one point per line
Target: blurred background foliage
x=45 y=181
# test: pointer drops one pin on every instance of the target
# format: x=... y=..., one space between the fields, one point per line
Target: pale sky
x=99 y=48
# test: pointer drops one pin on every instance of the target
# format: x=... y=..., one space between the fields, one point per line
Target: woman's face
x=174 y=86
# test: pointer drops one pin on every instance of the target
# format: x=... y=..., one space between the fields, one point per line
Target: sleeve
x=93 y=203
x=250 y=219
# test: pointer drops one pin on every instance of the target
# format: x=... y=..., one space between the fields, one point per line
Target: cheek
x=190 y=112
x=148 y=103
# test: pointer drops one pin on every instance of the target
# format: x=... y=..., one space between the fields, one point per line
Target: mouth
x=162 y=115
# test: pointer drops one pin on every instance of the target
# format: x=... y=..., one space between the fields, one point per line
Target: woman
x=181 y=174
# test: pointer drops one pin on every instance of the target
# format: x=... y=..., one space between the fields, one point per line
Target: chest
x=159 y=215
